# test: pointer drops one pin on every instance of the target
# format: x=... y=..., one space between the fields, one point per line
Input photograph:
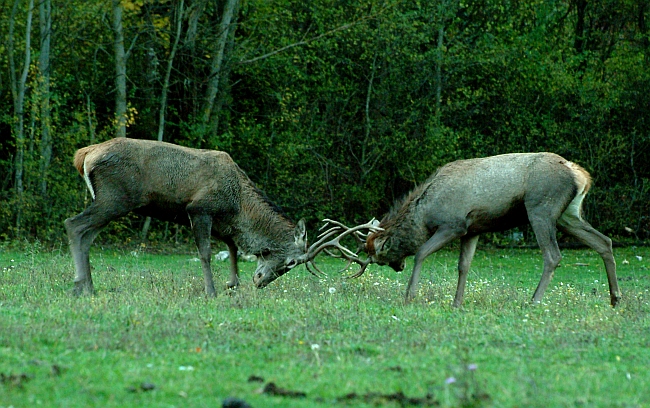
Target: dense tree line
x=335 y=108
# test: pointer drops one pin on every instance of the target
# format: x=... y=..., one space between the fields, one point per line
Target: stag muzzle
x=398 y=266
x=265 y=274
x=262 y=278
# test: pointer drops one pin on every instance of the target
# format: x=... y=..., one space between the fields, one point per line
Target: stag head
x=272 y=264
x=384 y=249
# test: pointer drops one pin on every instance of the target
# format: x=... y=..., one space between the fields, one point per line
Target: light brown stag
x=468 y=197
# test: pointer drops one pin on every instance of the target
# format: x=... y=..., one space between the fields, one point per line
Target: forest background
x=334 y=107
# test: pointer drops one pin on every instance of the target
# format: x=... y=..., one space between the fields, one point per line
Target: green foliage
x=336 y=109
x=341 y=342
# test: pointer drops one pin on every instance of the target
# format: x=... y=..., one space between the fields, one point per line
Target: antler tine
x=340 y=256
x=372 y=226
x=322 y=238
x=358 y=235
x=318 y=273
x=328 y=232
x=360 y=272
x=363 y=264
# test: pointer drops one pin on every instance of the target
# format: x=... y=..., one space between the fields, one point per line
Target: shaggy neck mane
x=402 y=221
x=400 y=211
x=266 y=223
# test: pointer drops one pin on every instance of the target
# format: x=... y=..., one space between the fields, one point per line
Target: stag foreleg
x=467 y=250
x=233 y=282
x=442 y=237
x=202 y=226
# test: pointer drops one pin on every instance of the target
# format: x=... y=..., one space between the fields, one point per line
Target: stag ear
x=300 y=235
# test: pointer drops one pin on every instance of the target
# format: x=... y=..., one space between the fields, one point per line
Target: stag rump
x=468 y=197
x=204 y=189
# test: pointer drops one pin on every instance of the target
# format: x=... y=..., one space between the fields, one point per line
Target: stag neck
x=261 y=225
x=411 y=235
x=257 y=235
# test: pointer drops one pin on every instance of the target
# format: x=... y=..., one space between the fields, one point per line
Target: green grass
x=340 y=342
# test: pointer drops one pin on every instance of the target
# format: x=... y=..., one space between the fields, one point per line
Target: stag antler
x=322 y=244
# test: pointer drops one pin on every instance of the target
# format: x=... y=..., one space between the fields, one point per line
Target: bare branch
x=305 y=42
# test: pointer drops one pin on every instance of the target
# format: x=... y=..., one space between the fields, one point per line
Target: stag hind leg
x=233 y=281
x=82 y=229
x=544 y=226
x=467 y=250
x=573 y=224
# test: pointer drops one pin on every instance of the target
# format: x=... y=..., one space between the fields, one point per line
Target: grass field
x=149 y=337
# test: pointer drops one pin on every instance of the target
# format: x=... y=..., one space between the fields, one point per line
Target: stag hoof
x=615 y=299
x=231 y=289
x=232 y=285
x=83 y=288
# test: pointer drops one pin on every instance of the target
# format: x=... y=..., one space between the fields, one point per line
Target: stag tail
x=81 y=164
x=581 y=177
x=582 y=180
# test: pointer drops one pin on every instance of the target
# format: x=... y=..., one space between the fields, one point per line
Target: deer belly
x=165 y=212
x=492 y=221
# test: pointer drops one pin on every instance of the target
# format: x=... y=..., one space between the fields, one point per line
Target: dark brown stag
x=204 y=189
x=468 y=197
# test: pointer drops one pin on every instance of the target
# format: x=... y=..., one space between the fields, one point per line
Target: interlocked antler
x=335 y=243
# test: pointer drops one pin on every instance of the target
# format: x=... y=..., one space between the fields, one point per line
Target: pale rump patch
x=583 y=183
x=581 y=177
x=87 y=179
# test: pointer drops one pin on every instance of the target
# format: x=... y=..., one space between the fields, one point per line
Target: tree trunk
x=89 y=119
x=120 y=71
x=45 y=12
x=194 y=13
x=364 y=160
x=224 y=84
x=217 y=60
x=168 y=72
x=580 y=34
x=643 y=29
x=441 y=35
x=18 y=92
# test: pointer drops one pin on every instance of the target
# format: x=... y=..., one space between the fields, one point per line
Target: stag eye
x=265 y=253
